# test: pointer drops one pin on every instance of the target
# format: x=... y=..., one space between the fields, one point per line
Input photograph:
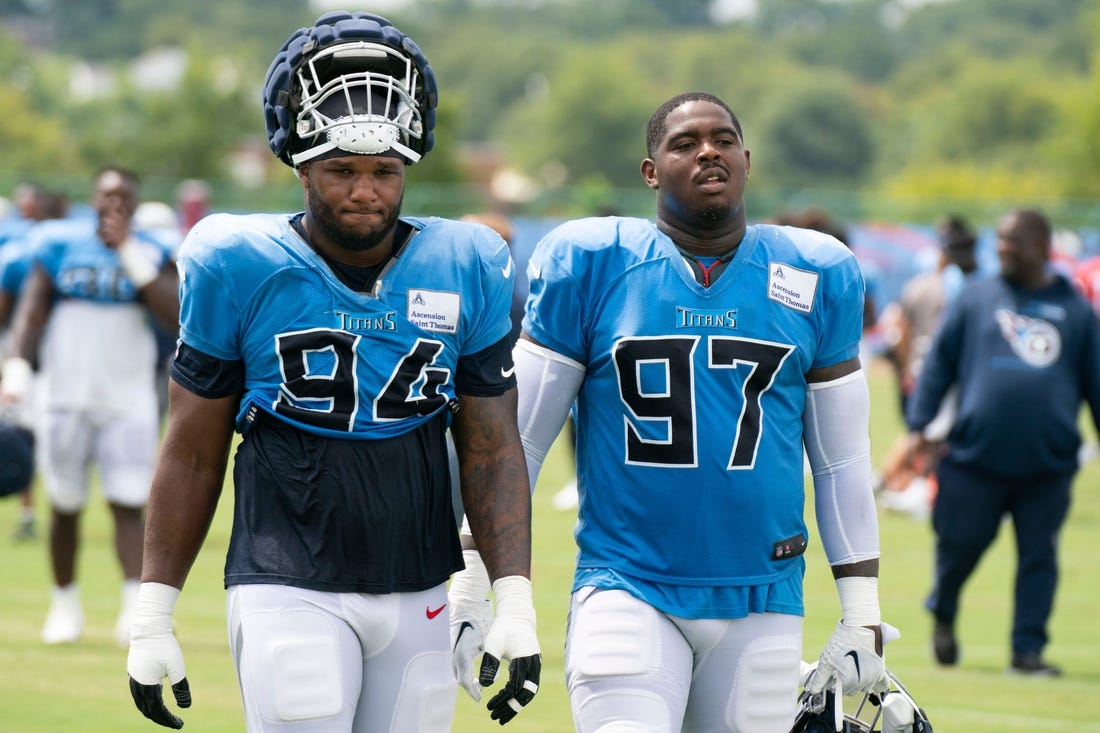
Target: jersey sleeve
x=209 y=309
x=842 y=326
x=553 y=315
x=493 y=320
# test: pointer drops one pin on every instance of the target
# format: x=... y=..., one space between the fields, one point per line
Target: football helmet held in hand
x=17 y=449
x=892 y=711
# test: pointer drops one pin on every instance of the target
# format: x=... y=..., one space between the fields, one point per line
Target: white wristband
x=16 y=377
x=859 y=601
x=513 y=594
x=139 y=268
x=472 y=584
x=154 y=606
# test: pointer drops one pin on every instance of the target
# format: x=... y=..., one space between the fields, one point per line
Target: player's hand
x=512 y=637
x=471 y=617
x=851 y=657
x=114 y=226
x=155 y=654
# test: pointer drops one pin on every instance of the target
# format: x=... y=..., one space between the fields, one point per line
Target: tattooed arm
x=497 y=500
x=495 y=491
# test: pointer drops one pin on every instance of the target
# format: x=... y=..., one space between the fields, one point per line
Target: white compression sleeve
x=835 y=431
x=548 y=383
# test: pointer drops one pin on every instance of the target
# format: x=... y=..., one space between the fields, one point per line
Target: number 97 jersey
x=689 y=456
x=325 y=358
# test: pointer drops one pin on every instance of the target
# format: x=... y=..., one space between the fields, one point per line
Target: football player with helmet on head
x=342 y=342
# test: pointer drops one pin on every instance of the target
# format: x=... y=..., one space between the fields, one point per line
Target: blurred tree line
x=862 y=106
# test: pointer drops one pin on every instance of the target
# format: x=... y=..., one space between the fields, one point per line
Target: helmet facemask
x=357 y=97
x=892 y=711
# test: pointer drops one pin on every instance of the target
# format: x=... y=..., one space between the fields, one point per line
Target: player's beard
x=353 y=240
x=712 y=214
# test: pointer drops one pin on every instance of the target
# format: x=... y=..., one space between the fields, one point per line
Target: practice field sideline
x=83 y=688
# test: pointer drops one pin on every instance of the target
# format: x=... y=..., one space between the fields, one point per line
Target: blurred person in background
x=84 y=316
x=27 y=200
x=907 y=478
x=38 y=204
x=157 y=220
x=1022 y=349
x=1087 y=277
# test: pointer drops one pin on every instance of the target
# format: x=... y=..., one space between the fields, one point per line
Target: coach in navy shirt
x=1024 y=349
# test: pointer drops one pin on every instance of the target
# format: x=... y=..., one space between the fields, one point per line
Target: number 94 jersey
x=690 y=457
x=325 y=358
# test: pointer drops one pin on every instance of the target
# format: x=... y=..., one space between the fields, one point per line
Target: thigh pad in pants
x=626 y=666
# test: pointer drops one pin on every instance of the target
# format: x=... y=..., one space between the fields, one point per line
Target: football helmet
x=17 y=449
x=352 y=83
x=894 y=711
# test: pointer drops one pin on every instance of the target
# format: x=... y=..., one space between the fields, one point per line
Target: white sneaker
x=126 y=612
x=566 y=498
x=65 y=621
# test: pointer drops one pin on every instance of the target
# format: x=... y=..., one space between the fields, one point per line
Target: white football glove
x=155 y=654
x=471 y=617
x=512 y=636
x=850 y=658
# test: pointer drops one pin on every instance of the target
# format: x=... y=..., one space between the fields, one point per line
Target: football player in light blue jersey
x=702 y=354
x=35 y=205
x=85 y=314
x=15 y=260
x=342 y=342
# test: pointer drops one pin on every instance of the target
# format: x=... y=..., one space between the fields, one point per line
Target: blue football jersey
x=81 y=266
x=690 y=457
x=329 y=360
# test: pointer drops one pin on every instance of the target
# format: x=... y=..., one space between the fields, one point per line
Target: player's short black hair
x=655 y=130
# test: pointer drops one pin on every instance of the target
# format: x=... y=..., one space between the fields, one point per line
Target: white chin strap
x=359 y=134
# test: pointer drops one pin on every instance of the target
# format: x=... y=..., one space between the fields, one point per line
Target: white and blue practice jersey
x=81 y=266
x=690 y=456
x=329 y=360
x=98 y=352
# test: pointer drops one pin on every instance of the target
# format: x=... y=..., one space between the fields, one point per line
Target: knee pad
x=765 y=690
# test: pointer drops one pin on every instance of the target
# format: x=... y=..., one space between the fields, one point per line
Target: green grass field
x=83 y=687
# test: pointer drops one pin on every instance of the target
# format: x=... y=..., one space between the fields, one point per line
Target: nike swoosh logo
x=507 y=269
x=432 y=614
x=855 y=661
x=507 y=373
